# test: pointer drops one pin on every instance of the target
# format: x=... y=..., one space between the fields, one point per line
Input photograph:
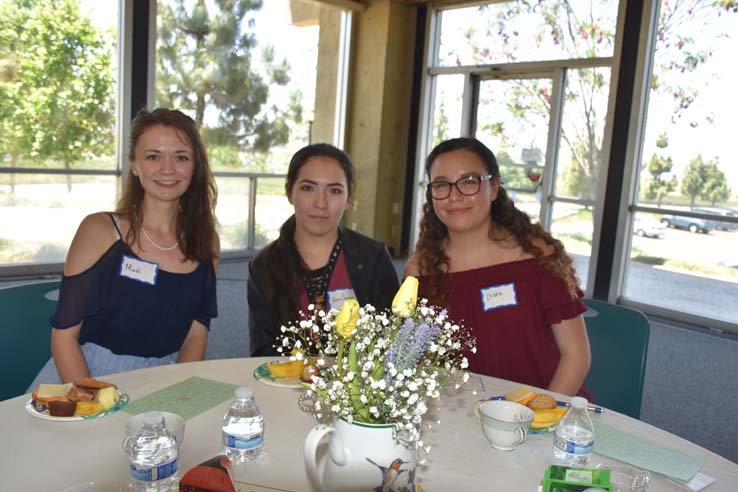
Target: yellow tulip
x=404 y=302
x=347 y=318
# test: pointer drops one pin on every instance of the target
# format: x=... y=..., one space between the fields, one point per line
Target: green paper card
x=187 y=399
x=637 y=451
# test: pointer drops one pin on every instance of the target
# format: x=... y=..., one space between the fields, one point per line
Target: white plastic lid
x=244 y=392
x=579 y=402
x=153 y=418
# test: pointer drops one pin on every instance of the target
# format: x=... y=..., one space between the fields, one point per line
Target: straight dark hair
x=196 y=217
x=283 y=261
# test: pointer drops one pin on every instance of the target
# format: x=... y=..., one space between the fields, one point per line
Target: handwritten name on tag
x=498 y=296
x=337 y=297
x=140 y=270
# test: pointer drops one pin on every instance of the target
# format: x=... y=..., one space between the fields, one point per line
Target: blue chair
x=618 y=338
x=25 y=333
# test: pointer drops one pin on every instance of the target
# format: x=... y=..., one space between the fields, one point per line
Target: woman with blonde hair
x=139 y=284
x=505 y=277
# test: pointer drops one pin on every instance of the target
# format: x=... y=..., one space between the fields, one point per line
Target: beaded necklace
x=316 y=281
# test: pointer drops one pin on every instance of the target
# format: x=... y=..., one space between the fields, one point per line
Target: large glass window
x=536 y=91
x=685 y=257
x=58 y=70
x=512 y=118
x=248 y=77
x=514 y=32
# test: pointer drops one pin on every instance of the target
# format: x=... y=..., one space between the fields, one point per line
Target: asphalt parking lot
x=717 y=248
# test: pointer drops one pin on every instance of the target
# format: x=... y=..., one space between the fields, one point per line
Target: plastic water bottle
x=153 y=454
x=574 y=436
x=243 y=428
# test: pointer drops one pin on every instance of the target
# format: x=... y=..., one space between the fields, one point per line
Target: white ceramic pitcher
x=360 y=457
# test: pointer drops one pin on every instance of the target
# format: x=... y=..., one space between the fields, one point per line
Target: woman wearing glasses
x=505 y=277
x=315 y=260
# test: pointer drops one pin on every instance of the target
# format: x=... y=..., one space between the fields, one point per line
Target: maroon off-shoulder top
x=510 y=308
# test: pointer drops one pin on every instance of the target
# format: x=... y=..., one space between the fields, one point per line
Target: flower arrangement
x=381 y=367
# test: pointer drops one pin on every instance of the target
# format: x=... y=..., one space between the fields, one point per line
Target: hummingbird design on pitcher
x=389 y=475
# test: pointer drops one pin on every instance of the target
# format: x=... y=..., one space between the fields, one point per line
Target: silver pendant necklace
x=162 y=248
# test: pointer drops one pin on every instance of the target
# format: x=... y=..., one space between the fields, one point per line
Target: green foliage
x=440 y=126
x=575 y=180
x=716 y=185
x=650 y=260
x=705 y=180
x=207 y=66
x=694 y=179
x=577 y=236
x=663 y=141
x=223 y=156
x=56 y=83
x=657 y=187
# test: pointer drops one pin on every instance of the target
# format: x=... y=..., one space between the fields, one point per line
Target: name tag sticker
x=499 y=296
x=337 y=297
x=139 y=270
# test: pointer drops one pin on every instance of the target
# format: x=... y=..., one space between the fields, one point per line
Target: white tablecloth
x=42 y=455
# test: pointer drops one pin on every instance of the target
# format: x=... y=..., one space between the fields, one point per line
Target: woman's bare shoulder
x=94 y=236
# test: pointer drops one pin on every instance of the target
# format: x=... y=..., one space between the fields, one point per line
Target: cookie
x=92 y=383
x=541 y=401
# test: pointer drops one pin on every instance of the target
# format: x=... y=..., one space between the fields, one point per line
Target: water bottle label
x=572 y=447
x=153 y=474
x=247 y=442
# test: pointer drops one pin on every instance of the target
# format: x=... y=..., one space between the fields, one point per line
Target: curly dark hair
x=508 y=222
x=196 y=219
x=283 y=260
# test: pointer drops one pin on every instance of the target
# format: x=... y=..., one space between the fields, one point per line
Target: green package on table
x=571 y=479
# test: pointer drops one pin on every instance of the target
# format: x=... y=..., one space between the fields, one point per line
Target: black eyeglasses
x=467 y=186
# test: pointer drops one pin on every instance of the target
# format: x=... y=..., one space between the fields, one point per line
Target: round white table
x=43 y=455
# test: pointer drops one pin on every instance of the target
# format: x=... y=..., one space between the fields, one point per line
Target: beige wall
x=377 y=111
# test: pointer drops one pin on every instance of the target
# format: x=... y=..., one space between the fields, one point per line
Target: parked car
x=648 y=227
x=725 y=212
x=692 y=224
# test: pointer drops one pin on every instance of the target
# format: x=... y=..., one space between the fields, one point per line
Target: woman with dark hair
x=505 y=277
x=139 y=284
x=315 y=260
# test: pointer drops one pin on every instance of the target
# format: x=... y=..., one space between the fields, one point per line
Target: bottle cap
x=579 y=402
x=153 y=418
x=244 y=392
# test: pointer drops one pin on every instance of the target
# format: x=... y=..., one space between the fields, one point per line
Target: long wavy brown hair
x=196 y=218
x=283 y=261
x=507 y=221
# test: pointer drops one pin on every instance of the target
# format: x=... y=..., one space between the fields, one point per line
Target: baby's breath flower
x=367 y=382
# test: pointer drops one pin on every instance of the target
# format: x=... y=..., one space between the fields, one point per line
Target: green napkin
x=637 y=451
x=187 y=399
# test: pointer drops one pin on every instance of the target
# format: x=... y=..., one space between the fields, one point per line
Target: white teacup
x=173 y=422
x=505 y=423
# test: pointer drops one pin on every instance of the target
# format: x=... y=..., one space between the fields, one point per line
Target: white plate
x=45 y=414
x=263 y=375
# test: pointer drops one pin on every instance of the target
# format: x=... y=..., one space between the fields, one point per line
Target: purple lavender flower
x=410 y=344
